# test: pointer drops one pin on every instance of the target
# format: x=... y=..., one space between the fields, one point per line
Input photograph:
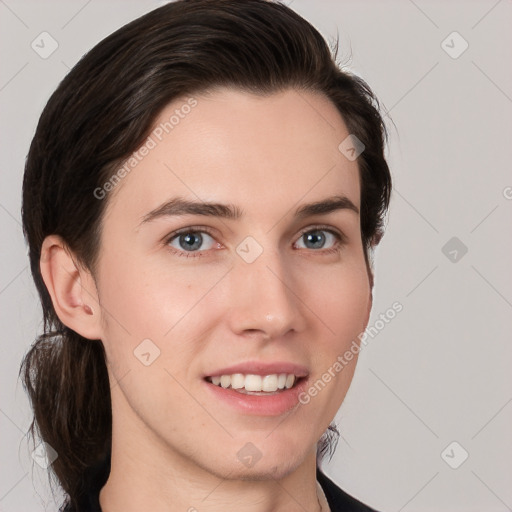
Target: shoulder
x=338 y=499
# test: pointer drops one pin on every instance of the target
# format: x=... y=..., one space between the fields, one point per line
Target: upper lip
x=262 y=368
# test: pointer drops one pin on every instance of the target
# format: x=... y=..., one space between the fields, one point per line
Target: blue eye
x=189 y=242
x=317 y=237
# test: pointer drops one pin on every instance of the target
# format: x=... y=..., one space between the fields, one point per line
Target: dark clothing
x=338 y=500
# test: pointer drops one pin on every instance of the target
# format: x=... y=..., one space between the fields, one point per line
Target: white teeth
x=237 y=381
x=253 y=383
x=250 y=382
x=289 y=381
x=269 y=383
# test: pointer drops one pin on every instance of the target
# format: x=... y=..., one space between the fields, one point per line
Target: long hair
x=101 y=112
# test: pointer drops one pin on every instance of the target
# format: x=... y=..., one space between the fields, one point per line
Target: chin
x=263 y=472
x=274 y=462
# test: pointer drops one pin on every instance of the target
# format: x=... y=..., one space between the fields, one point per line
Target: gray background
x=440 y=370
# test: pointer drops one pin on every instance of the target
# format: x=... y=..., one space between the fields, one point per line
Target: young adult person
x=201 y=200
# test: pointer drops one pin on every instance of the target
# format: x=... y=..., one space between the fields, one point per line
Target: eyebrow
x=179 y=206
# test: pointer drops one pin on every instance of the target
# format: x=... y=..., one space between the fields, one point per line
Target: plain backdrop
x=426 y=425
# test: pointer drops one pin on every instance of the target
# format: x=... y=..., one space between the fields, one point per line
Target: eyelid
x=341 y=237
x=321 y=227
x=188 y=229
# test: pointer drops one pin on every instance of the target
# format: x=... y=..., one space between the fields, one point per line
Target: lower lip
x=259 y=405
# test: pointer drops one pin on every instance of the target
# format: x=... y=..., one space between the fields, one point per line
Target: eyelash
x=340 y=240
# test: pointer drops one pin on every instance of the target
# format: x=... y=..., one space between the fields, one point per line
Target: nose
x=265 y=297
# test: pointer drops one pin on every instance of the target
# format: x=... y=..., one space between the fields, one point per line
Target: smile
x=260 y=384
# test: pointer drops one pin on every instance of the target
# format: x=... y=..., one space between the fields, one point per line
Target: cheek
x=340 y=301
x=340 y=296
x=347 y=308
x=148 y=299
x=152 y=299
x=145 y=297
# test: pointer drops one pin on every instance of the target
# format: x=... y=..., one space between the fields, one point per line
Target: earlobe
x=71 y=287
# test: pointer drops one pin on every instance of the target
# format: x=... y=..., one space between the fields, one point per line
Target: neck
x=163 y=488
x=153 y=476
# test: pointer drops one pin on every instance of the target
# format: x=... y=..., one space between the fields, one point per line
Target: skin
x=172 y=448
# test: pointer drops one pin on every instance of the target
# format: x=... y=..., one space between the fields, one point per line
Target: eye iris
x=193 y=240
x=190 y=242
x=315 y=237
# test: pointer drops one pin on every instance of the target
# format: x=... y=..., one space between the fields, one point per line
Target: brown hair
x=100 y=113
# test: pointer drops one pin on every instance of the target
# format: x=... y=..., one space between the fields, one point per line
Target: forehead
x=266 y=153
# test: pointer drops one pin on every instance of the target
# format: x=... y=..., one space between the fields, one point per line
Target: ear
x=71 y=287
x=370 y=294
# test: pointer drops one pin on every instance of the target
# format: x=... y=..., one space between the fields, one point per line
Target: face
x=197 y=292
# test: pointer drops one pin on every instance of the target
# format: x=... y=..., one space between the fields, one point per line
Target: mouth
x=258 y=388
x=258 y=385
x=245 y=394
x=262 y=386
